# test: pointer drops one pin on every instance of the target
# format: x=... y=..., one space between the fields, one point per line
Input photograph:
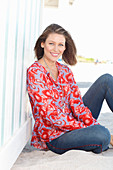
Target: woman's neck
x=50 y=67
x=45 y=62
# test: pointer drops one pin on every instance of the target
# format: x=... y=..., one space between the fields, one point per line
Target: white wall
x=19 y=30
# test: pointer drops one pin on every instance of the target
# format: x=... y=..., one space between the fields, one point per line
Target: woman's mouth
x=55 y=54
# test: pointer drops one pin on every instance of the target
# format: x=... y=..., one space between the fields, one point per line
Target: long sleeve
x=41 y=97
x=81 y=112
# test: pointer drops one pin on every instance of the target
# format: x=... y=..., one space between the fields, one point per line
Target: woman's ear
x=42 y=44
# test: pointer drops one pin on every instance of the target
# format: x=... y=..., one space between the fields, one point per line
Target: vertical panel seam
x=23 y=53
x=15 y=64
x=35 y=20
x=4 y=74
x=39 y=18
x=30 y=24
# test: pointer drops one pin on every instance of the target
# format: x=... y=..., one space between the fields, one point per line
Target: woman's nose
x=56 y=48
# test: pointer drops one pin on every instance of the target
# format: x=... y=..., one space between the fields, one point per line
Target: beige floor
x=32 y=159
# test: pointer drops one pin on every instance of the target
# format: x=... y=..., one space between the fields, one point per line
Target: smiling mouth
x=55 y=54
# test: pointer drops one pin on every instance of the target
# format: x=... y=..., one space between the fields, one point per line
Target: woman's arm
x=81 y=112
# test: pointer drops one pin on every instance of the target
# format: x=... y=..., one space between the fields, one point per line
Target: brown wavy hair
x=69 y=55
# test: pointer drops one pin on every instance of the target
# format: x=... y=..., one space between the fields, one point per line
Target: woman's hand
x=111 y=142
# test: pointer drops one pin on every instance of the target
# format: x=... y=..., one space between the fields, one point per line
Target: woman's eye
x=51 y=43
x=61 y=45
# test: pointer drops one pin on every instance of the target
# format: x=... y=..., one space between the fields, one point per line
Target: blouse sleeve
x=79 y=110
x=42 y=101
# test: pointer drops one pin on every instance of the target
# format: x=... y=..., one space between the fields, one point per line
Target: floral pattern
x=46 y=97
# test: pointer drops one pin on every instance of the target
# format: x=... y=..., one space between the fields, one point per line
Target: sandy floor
x=32 y=159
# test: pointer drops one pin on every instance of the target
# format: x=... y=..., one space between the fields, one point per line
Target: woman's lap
x=94 y=138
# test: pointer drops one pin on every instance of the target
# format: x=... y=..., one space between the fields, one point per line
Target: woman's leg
x=93 y=138
x=101 y=89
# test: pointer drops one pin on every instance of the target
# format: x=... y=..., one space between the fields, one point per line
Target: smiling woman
x=63 y=121
x=69 y=55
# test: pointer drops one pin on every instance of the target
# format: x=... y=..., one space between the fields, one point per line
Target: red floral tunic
x=46 y=98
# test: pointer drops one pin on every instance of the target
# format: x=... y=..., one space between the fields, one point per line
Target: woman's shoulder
x=64 y=67
x=36 y=66
x=33 y=65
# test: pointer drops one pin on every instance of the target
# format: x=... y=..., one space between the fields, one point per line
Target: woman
x=63 y=120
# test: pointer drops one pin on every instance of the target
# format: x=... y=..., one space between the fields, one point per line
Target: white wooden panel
x=38 y=21
x=20 y=44
x=18 y=52
x=28 y=24
x=23 y=106
x=32 y=25
x=22 y=118
x=10 y=70
x=17 y=89
x=2 y=51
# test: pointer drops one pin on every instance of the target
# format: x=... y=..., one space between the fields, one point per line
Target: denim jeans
x=93 y=138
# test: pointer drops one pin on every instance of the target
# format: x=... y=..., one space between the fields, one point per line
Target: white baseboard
x=10 y=151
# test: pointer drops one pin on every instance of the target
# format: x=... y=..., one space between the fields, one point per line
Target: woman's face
x=54 y=46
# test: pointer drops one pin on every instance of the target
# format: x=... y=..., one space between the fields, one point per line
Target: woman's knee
x=102 y=139
x=104 y=136
x=106 y=78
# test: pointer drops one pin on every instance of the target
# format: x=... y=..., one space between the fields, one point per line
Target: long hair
x=69 y=55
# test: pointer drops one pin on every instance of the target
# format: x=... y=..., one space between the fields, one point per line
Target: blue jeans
x=93 y=138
